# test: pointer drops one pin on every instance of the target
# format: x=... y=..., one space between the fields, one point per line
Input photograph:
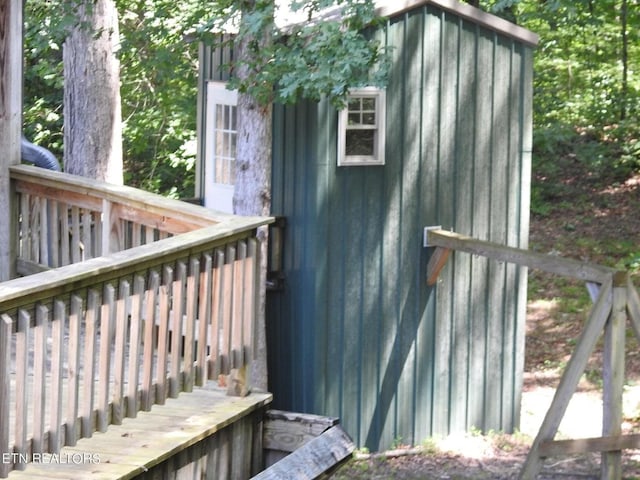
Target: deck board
x=140 y=443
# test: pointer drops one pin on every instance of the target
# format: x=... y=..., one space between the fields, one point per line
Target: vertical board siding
x=356 y=332
x=394 y=359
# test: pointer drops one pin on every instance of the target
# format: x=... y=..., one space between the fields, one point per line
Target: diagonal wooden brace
x=436 y=263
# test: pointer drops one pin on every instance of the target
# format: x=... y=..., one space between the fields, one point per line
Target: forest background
x=586 y=87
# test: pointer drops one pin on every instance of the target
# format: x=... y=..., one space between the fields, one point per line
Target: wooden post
x=5 y=389
x=613 y=375
x=577 y=363
x=10 y=125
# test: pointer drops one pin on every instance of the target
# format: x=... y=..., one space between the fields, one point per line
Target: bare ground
x=592 y=219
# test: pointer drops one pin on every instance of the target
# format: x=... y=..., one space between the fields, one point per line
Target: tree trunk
x=92 y=115
x=252 y=193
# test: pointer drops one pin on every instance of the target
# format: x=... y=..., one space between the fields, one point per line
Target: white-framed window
x=361 y=128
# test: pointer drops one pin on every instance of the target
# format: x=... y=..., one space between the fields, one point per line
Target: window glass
x=360 y=142
x=361 y=128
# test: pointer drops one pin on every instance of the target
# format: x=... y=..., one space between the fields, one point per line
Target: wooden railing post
x=143 y=324
x=613 y=375
x=5 y=385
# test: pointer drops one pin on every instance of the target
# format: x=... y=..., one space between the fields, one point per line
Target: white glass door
x=220 y=157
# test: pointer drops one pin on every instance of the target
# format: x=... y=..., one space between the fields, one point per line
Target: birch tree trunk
x=252 y=194
x=92 y=110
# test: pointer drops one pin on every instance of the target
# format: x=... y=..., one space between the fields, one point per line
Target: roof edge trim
x=393 y=8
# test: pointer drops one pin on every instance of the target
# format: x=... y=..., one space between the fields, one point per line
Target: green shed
x=355 y=331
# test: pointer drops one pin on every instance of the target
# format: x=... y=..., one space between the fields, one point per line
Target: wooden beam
x=313 y=459
x=588 y=272
x=436 y=263
x=569 y=381
x=613 y=375
x=10 y=125
x=586 y=445
x=288 y=431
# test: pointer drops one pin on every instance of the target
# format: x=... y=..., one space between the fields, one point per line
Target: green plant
x=397 y=442
x=430 y=446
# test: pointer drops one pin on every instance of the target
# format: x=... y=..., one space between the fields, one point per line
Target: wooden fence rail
x=65 y=219
x=88 y=344
x=616 y=300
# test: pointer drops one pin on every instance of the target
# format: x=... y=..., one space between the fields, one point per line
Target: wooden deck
x=202 y=434
x=127 y=303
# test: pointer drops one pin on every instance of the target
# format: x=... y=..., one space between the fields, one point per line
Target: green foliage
x=43 y=79
x=158 y=87
x=320 y=54
x=582 y=104
x=159 y=81
x=159 y=69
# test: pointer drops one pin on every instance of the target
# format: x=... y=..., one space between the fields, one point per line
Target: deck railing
x=66 y=219
x=87 y=344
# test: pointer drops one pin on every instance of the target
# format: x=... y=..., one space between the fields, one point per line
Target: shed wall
x=356 y=333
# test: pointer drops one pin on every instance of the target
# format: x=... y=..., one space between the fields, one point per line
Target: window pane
x=219 y=117
x=368 y=104
x=360 y=142
x=354 y=104
x=354 y=119
x=369 y=118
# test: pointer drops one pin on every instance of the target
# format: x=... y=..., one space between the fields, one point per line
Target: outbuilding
x=354 y=330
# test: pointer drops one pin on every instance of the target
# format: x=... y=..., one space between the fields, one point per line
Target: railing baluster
x=57 y=354
x=65 y=235
x=163 y=335
x=190 y=323
x=237 y=322
x=89 y=366
x=227 y=309
x=176 y=329
x=40 y=377
x=204 y=316
x=6 y=324
x=216 y=315
x=149 y=234
x=43 y=232
x=25 y=224
x=134 y=346
x=105 y=236
x=120 y=353
x=107 y=327
x=34 y=228
x=97 y=234
x=75 y=318
x=21 y=446
x=250 y=291
x=87 y=241
x=54 y=228
x=148 y=343
x=76 y=246
x=136 y=235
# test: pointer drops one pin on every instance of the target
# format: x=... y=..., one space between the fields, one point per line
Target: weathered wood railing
x=66 y=219
x=616 y=299
x=87 y=344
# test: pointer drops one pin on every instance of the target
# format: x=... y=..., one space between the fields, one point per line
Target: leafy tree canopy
x=586 y=86
x=317 y=48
